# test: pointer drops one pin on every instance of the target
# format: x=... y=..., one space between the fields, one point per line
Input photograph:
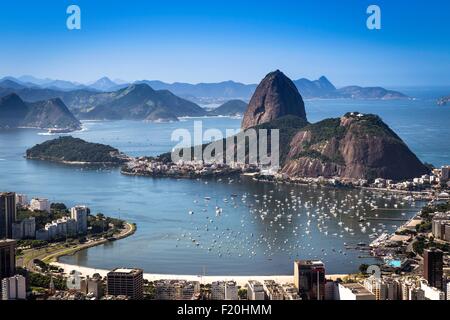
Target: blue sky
x=209 y=41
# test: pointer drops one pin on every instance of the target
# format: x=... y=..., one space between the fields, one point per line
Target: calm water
x=239 y=241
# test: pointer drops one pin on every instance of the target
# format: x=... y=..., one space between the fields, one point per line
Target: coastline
x=75 y=163
x=240 y=280
x=49 y=256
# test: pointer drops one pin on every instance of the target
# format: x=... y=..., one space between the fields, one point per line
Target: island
x=70 y=150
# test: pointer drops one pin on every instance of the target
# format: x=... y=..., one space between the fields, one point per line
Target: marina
x=237 y=226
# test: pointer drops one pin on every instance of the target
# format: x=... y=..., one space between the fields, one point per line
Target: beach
x=240 y=280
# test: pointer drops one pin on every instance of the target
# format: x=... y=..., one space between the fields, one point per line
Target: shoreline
x=53 y=257
x=74 y=163
x=240 y=279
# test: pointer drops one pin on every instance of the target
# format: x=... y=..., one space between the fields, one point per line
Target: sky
x=241 y=40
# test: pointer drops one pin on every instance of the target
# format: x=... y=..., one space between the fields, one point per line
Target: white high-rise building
x=432 y=293
x=218 y=290
x=231 y=290
x=40 y=204
x=255 y=290
x=14 y=288
x=79 y=214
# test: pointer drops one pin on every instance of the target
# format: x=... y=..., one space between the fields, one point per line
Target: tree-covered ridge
x=288 y=126
x=70 y=149
x=335 y=128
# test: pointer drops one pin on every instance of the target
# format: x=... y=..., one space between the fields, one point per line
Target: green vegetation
x=33 y=244
x=43 y=281
x=422 y=243
x=99 y=225
x=372 y=125
x=440 y=207
x=288 y=126
x=363 y=268
x=424 y=226
x=242 y=293
x=313 y=154
x=325 y=130
x=41 y=217
x=149 y=290
x=74 y=150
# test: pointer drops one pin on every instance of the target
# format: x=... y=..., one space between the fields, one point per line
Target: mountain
x=225 y=90
x=141 y=102
x=356 y=92
x=75 y=150
x=51 y=113
x=443 y=101
x=34 y=80
x=14 y=112
x=11 y=84
x=355 y=146
x=78 y=96
x=104 y=84
x=230 y=108
x=321 y=88
x=276 y=96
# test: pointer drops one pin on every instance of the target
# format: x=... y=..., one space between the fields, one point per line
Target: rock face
x=276 y=96
x=355 y=146
x=53 y=113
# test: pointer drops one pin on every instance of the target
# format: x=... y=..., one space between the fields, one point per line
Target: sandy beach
x=240 y=280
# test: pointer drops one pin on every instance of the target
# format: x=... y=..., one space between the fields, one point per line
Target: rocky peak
x=276 y=96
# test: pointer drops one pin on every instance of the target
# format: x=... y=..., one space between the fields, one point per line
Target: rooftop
x=356 y=289
x=126 y=270
x=6 y=242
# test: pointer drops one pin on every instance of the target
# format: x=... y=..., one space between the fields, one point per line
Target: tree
x=363 y=268
x=242 y=293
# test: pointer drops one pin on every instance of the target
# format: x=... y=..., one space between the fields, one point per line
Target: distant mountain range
x=234 y=107
x=47 y=114
x=159 y=101
x=140 y=102
x=206 y=93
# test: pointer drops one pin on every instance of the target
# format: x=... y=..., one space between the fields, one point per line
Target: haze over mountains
x=105 y=99
x=52 y=113
x=141 y=102
x=206 y=93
